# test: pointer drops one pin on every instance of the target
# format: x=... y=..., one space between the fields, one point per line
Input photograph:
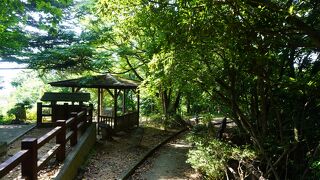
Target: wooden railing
x=107 y=120
x=122 y=122
x=65 y=130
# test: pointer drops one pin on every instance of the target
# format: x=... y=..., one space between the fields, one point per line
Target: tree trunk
x=188 y=104
x=176 y=104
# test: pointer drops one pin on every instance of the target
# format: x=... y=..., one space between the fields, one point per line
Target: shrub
x=19 y=110
x=1 y=118
x=215 y=159
x=315 y=169
x=155 y=120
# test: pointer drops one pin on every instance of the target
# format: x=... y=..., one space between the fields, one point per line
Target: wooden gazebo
x=117 y=118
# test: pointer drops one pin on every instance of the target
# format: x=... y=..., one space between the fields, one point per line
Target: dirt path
x=168 y=163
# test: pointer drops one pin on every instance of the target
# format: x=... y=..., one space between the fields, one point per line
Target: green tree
x=20 y=20
x=257 y=59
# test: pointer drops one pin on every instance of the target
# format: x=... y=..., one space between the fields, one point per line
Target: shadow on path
x=168 y=163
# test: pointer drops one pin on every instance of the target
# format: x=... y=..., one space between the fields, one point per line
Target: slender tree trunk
x=176 y=103
x=188 y=104
x=245 y=123
x=165 y=101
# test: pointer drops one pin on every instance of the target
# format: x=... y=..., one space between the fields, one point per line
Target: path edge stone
x=127 y=174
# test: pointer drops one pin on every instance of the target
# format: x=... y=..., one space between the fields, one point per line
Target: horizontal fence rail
x=12 y=162
x=65 y=131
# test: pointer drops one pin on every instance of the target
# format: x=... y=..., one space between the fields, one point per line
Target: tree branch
x=133 y=69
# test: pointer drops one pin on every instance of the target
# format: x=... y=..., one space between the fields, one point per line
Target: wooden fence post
x=74 y=128
x=85 y=117
x=39 y=113
x=66 y=110
x=90 y=113
x=61 y=139
x=29 y=166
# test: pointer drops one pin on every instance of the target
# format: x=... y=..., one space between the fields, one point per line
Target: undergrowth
x=217 y=159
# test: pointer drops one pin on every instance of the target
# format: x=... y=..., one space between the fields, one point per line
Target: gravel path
x=168 y=163
x=112 y=160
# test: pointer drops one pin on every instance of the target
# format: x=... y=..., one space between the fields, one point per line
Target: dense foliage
x=258 y=59
x=23 y=22
x=255 y=60
x=217 y=159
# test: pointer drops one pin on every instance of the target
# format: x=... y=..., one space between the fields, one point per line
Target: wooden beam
x=108 y=90
x=118 y=92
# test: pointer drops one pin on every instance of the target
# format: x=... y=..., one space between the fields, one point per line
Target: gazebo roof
x=69 y=97
x=107 y=81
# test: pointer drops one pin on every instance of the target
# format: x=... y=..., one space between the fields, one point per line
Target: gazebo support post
x=124 y=101
x=102 y=104
x=115 y=100
x=99 y=105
